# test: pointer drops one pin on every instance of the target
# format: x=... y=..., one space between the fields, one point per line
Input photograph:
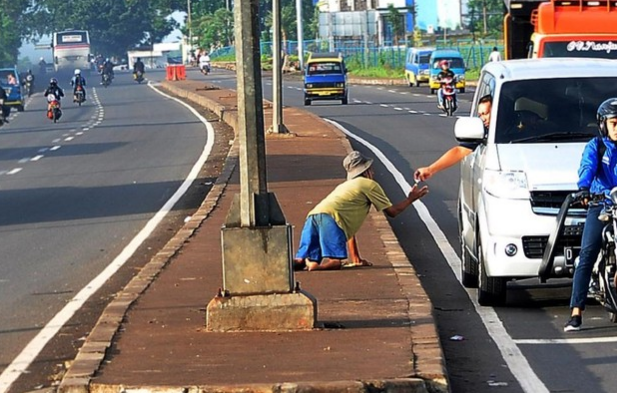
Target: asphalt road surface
x=75 y=193
x=517 y=348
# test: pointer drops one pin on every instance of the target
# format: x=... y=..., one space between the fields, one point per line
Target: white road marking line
x=21 y=363
x=417 y=95
x=70 y=138
x=426 y=114
x=569 y=341
x=368 y=103
x=56 y=140
x=414 y=112
x=383 y=105
x=511 y=353
x=43 y=150
x=36 y=158
x=403 y=93
x=397 y=108
x=85 y=128
x=23 y=160
x=406 y=109
x=391 y=91
x=14 y=171
x=54 y=148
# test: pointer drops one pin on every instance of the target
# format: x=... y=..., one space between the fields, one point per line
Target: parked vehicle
x=514 y=182
x=13 y=90
x=448 y=90
x=325 y=78
x=457 y=65
x=53 y=112
x=417 y=65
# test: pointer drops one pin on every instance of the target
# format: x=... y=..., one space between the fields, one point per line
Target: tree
x=114 y=26
x=12 y=29
x=486 y=17
x=214 y=30
x=396 y=21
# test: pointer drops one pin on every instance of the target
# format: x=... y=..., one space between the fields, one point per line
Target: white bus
x=71 y=49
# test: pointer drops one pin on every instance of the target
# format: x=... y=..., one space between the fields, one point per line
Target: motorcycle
x=28 y=84
x=448 y=91
x=53 y=112
x=78 y=95
x=605 y=292
x=106 y=80
x=205 y=68
x=138 y=76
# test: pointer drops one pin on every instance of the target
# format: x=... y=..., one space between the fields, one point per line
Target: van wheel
x=307 y=102
x=469 y=269
x=20 y=108
x=491 y=290
x=417 y=82
x=344 y=101
x=433 y=91
x=462 y=90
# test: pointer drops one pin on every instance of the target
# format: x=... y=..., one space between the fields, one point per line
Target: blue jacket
x=598 y=180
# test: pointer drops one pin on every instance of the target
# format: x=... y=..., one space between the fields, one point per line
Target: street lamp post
x=188 y=19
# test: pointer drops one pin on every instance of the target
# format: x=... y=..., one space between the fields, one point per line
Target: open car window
x=547 y=110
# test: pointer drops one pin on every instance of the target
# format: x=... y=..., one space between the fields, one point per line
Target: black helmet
x=606 y=110
x=53 y=81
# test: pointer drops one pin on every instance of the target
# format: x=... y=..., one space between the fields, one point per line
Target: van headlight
x=340 y=85
x=506 y=184
x=308 y=85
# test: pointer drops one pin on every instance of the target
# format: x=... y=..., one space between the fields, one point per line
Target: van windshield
x=457 y=62
x=551 y=110
x=322 y=68
x=425 y=59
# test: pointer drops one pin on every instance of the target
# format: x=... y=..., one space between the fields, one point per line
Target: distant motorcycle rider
x=78 y=80
x=108 y=68
x=55 y=90
x=29 y=78
x=4 y=109
x=445 y=73
x=138 y=67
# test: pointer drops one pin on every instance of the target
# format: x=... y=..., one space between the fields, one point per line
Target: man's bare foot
x=326 y=264
x=361 y=263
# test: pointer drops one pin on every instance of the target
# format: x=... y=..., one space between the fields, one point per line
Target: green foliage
x=214 y=30
x=490 y=11
x=114 y=26
x=395 y=19
x=12 y=30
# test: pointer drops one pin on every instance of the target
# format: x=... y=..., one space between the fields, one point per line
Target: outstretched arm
x=415 y=194
x=449 y=158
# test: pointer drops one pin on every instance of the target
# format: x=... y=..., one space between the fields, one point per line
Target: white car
x=513 y=184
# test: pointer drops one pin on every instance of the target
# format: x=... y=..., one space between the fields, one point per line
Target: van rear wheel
x=307 y=102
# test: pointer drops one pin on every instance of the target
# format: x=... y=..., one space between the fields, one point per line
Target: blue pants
x=590 y=248
x=322 y=238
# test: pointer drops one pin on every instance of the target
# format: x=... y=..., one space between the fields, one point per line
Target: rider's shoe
x=574 y=324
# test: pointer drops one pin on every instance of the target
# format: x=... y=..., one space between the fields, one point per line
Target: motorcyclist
x=596 y=176
x=42 y=66
x=78 y=80
x=108 y=68
x=204 y=61
x=4 y=109
x=138 y=67
x=445 y=73
x=54 y=89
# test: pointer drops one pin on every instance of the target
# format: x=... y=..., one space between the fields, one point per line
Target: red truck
x=560 y=28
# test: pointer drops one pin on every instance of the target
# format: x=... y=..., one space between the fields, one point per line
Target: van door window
x=486 y=87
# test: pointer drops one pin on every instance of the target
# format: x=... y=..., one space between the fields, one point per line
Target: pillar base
x=273 y=312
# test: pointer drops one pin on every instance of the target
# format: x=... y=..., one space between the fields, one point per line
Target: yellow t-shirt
x=349 y=203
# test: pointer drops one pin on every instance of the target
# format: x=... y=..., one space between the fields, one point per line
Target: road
x=75 y=193
x=517 y=348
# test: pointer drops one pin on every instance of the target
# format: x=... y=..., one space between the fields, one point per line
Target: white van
x=513 y=184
